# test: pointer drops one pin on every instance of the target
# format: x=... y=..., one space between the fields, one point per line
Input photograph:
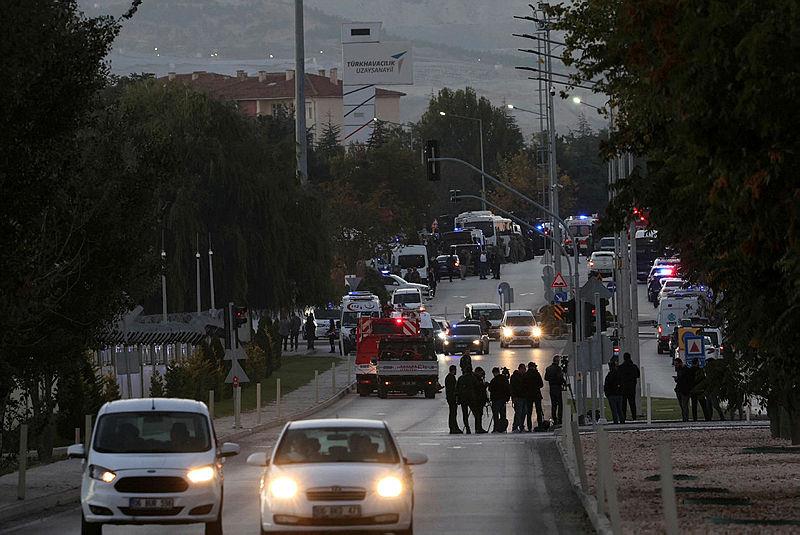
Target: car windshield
x=520 y=321
x=608 y=243
x=336 y=445
x=411 y=260
x=486 y=226
x=351 y=318
x=490 y=313
x=327 y=313
x=406 y=298
x=401 y=350
x=581 y=230
x=466 y=330
x=152 y=432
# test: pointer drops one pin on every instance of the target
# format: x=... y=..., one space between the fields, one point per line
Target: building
x=265 y=93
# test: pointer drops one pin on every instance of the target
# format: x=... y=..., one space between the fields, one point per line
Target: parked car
x=152 y=461
x=602 y=262
x=519 y=326
x=440 y=329
x=322 y=317
x=336 y=474
x=463 y=336
x=446 y=265
x=394 y=282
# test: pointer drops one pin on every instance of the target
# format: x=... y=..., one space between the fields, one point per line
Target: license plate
x=151 y=503
x=337 y=511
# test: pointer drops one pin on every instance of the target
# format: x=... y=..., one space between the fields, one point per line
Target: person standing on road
x=284 y=330
x=463 y=262
x=532 y=381
x=432 y=283
x=332 y=334
x=612 y=388
x=482 y=396
x=518 y=398
x=499 y=394
x=496 y=261
x=483 y=262
x=452 y=400
x=451 y=265
x=698 y=391
x=311 y=332
x=294 y=330
x=714 y=378
x=467 y=393
x=554 y=376
x=629 y=373
x=683 y=387
x=485 y=324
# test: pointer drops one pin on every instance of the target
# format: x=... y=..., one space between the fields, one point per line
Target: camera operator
x=532 y=385
x=499 y=394
x=554 y=376
x=452 y=401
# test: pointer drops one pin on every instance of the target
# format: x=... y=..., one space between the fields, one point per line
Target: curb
x=38 y=506
x=601 y=523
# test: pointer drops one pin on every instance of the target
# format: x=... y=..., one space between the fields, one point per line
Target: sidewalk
x=58 y=483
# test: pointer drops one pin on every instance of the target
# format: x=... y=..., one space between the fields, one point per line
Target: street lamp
x=577 y=100
x=514 y=107
x=480 y=127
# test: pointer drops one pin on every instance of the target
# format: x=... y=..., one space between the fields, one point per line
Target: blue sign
x=560 y=297
x=612 y=286
x=695 y=349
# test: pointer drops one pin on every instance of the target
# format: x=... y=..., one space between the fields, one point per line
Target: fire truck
x=393 y=355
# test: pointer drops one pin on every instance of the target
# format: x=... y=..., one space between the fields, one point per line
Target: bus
x=493 y=226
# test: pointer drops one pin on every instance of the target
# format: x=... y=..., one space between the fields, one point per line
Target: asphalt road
x=502 y=483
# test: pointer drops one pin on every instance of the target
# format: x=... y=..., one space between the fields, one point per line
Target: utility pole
x=163 y=281
x=301 y=141
x=483 y=179
x=551 y=145
x=197 y=274
x=211 y=270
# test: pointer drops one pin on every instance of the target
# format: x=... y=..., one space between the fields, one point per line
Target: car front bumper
x=384 y=514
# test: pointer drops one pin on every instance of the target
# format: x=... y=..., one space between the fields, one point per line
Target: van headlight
x=537 y=331
x=476 y=342
x=201 y=475
x=283 y=488
x=442 y=335
x=508 y=332
x=101 y=474
x=390 y=487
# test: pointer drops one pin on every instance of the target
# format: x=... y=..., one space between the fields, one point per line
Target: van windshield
x=411 y=261
x=152 y=432
x=490 y=313
x=519 y=321
x=406 y=298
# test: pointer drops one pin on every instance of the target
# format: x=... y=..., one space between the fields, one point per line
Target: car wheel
x=215 y=527
x=658 y=349
x=90 y=528
x=407 y=531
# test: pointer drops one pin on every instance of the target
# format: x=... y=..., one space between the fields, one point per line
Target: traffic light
x=570 y=306
x=589 y=317
x=241 y=322
x=454 y=194
x=432 y=169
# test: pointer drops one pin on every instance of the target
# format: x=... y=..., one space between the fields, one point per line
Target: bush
x=157 y=386
x=194 y=377
x=110 y=388
x=256 y=363
x=80 y=392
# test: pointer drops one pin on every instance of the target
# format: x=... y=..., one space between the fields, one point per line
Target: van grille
x=151 y=484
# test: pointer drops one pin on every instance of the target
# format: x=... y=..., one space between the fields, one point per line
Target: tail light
x=660 y=329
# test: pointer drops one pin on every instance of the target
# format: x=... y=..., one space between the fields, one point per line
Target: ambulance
x=356 y=305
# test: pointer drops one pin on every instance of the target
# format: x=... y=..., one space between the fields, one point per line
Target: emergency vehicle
x=582 y=227
x=356 y=305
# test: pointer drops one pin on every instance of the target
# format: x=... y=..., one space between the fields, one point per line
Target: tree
x=693 y=87
x=579 y=156
x=158 y=388
x=521 y=173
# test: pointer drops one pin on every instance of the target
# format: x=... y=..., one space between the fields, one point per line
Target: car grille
x=150 y=512
x=336 y=494
x=151 y=484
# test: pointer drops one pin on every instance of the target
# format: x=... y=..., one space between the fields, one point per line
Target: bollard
x=316 y=386
x=649 y=404
x=278 y=395
x=747 y=410
x=577 y=449
x=601 y=468
x=22 y=461
x=88 y=432
x=349 y=372
x=609 y=483
x=258 y=403
x=211 y=404
x=77 y=435
x=668 y=489
x=333 y=378
x=237 y=409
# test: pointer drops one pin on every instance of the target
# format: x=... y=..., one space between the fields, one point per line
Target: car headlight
x=283 y=488
x=390 y=487
x=447 y=342
x=508 y=332
x=441 y=335
x=537 y=332
x=476 y=342
x=201 y=475
x=101 y=474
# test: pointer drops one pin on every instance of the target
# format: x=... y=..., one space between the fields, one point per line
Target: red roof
x=274 y=86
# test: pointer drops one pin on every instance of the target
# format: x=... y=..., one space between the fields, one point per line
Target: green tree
x=694 y=91
x=158 y=387
x=110 y=388
x=579 y=156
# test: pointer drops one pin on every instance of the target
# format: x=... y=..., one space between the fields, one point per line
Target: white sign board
x=388 y=63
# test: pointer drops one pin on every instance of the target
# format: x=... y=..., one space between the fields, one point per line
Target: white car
x=669 y=285
x=394 y=282
x=602 y=262
x=336 y=475
x=152 y=461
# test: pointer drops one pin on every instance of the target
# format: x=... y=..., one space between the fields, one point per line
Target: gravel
x=771 y=481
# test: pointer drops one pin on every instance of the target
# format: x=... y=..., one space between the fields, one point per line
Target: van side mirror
x=415 y=458
x=229 y=449
x=76 y=451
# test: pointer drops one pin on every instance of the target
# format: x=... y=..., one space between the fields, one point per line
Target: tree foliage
x=706 y=94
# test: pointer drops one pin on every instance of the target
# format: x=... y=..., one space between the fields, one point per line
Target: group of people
x=289 y=330
x=489 y=259
x=692 y=385
x=619 y=388
x=523 y=388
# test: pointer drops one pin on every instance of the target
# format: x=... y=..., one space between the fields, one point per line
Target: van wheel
x=90 y=528
x=215 y=527
x=382 y=393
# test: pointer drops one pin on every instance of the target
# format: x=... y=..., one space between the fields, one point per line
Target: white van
x=519 y=327
x=671 y=310
x=492 y=311
x=408 y=299
x=152 y=461
x=412 y=256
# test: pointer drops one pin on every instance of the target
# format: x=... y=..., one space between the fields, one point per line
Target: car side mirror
x=258 y=459
x=415 y=458
x=76 y=451
x=229 y=449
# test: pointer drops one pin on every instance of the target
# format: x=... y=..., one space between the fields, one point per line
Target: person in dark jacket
x=467 y=391
x=452 y=400
x=294 y=330
x=629 y=373
x=311 y=332
x=683 y=387
x=518 y=398
x=698 y=391
x=554 y=376
x=612 y=388
x=332 y=334
x=283 y=331
x=496 y=261
x=499 y=394
x=532 y=384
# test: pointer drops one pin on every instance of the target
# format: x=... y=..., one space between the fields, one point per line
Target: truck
x=355 y=305
x=408 y=365
x=369 y=332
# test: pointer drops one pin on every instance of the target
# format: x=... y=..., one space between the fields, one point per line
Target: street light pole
x=301 y=141
x=483 y=169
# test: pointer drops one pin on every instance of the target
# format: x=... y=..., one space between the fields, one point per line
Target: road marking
x=455 y=447
x=429 y=444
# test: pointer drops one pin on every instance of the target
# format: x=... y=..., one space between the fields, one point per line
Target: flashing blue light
x=583 y=217
x=539 y=227
x=457 y=229
x=385 y=271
